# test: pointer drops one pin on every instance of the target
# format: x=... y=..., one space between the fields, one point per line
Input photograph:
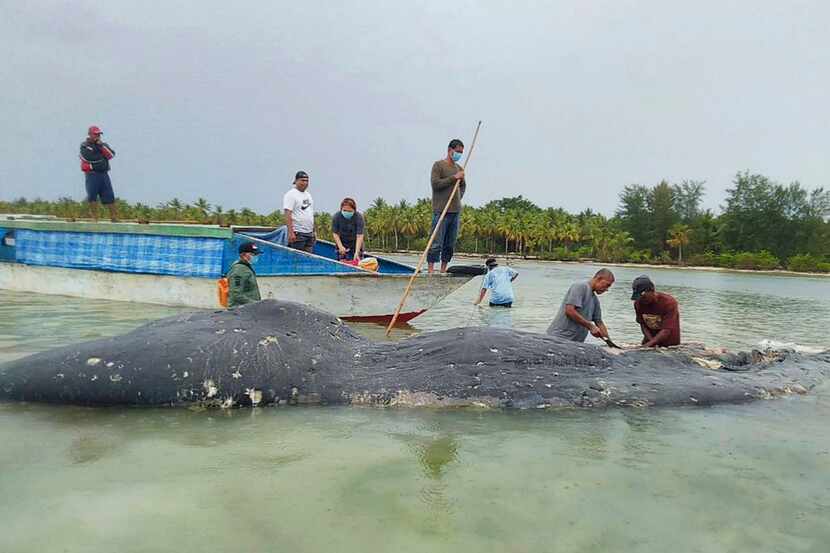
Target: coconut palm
x=468 y=227
x=679 y=237
x=322 y=225
x=202 y=207
x=175 y=206
x=568 y=233
x=409 y=225
x=218 y=211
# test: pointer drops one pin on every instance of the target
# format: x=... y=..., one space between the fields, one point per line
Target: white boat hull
x=358 y=296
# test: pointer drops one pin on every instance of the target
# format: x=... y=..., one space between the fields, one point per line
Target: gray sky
x=227 y=100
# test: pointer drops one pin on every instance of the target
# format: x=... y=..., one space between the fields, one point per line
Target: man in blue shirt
x=499 y=281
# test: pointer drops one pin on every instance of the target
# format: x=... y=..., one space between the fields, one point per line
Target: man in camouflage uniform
x=242 y=286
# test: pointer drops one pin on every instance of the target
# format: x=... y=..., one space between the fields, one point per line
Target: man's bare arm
x=358 y=246
x=289 y=223
x=576 y=316
x=658 y=338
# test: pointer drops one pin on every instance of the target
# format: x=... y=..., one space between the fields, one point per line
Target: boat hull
x=358 y=296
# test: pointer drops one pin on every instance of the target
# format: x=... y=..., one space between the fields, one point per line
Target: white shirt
x=301 y=207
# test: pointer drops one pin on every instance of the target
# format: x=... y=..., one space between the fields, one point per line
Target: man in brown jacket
x=445 y=173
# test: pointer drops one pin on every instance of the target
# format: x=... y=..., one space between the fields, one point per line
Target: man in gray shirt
x=580 y=312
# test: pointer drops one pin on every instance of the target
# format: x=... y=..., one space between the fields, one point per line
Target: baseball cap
x=93 y=130
x=641 y=284
x=249 y=247
x=301 y=175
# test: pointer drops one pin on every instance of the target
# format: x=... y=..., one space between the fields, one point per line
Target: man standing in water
x=95 y=163
x=580 y=312
x=299 y=214
x=657 y=314
x=499 y=280
x=445 y=173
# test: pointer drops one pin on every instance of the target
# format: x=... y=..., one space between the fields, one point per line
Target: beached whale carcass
x=280 y=352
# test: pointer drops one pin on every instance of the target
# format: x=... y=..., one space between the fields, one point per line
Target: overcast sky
x=227 y=100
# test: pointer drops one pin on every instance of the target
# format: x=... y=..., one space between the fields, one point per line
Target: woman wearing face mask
x=347 y=226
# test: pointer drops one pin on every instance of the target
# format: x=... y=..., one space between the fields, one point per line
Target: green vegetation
x=763 y=225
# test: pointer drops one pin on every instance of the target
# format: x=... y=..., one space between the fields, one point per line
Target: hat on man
x=93 y=130
x=640 y=285
x=300 y=175
x=491 y=262
x=249 y=247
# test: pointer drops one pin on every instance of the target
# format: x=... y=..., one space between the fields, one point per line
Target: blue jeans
x=443 y=246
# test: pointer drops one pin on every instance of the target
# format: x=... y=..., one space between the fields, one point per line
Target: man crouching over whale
x=657 y=314
x=580 y=312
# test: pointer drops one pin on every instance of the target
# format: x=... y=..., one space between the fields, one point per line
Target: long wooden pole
x=434 y=234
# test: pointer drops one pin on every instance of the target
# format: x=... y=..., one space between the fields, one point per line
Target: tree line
x=762 y=225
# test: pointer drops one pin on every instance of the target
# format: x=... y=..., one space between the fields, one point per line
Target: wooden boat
x=179 y=264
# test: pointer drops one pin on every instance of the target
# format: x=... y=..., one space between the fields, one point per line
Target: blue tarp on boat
x=278 y=236
x=281 y=261
x=128 y=253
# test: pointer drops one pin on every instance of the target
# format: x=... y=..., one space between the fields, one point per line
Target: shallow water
x=732 y=478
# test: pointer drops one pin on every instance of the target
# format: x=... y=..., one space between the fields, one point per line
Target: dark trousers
x=304 y=242
x=443 y=247
x=99 y=185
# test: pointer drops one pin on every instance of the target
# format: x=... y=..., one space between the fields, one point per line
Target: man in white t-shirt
x=299 y=214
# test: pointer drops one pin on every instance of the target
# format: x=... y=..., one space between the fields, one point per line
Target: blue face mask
x=456 y=156
x=347 y=214
x=254 y=259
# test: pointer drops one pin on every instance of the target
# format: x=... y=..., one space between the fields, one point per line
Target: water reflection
x=90 y=448
x=435 y=454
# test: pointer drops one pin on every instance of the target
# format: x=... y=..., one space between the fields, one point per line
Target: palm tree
x=248 y=217
x=377 y=222
x=409 y=225
x=539 y=231
x=679 y=234
x=322 y=225
x=618 y=245
x=510 y=227
x=468 y=226
x=568 y=233
x=218 y=210
x=176 y=206
x=490 y=225
x=396 y=217
x=423 y=214
x=203 y=207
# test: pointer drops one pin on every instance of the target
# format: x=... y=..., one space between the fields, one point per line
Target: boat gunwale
x=159 y=229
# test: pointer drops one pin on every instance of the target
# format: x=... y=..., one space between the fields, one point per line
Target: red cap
x=93 y=130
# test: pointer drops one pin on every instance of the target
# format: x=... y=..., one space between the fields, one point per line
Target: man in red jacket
x=657 y=313
x=95 y=163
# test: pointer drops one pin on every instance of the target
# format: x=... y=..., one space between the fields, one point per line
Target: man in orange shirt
x=657 y=313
